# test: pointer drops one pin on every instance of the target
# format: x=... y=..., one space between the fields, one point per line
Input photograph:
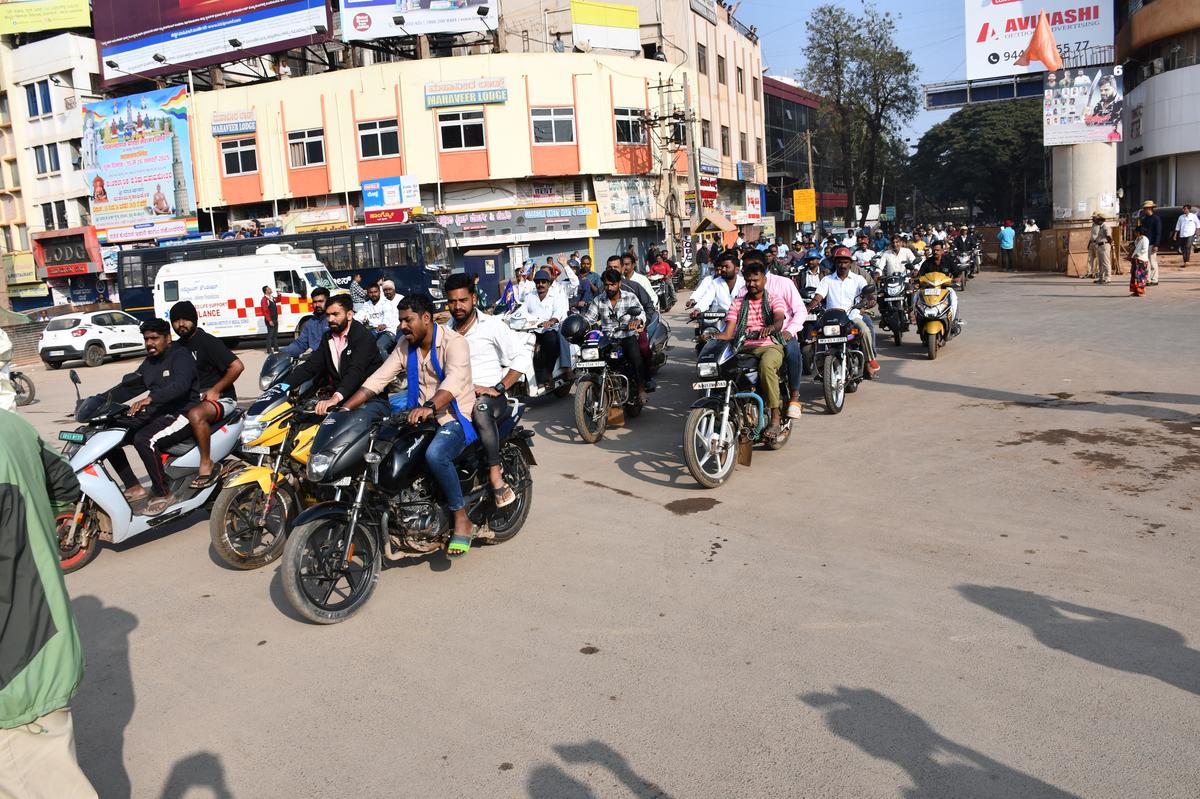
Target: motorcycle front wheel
x=24 y=389
x=74 y=556
x=591 y=412
x=834 y=383
x=237 y=537
x=710 y=454
x=315 y=582
x=931 y=345
x=897 y=335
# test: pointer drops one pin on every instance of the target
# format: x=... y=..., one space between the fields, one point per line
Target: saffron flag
x=1042 y=47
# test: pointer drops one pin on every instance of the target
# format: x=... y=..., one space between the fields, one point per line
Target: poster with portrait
x=1082 y=105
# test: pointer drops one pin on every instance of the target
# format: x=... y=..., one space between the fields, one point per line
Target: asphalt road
x=978 y=581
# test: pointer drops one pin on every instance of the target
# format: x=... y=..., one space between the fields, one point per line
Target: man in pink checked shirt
x=785 y=289
x=760 y=317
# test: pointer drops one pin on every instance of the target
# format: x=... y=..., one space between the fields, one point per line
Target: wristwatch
x=430 y=405
x=499 y=388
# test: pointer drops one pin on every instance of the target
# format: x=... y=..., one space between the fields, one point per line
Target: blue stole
x=414 y=385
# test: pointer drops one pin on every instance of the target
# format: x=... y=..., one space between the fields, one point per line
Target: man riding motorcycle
x=498 y=361
x=897 y=259
x=716 y=292
x=661 y=266
x=345 y=357
x=811 y=276
x=609 y=309
x=761 y=317
x=863 y=254
x=944 y=262
x=842 y=290
x=640 y=286
x=314 y=329
x=548 y=307
x=784 y=289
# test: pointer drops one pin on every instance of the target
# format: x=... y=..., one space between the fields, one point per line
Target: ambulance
x=228 y=292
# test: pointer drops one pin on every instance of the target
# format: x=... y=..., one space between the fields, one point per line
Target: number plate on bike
x=932 y=292
x=590 y=365
x=256 y=450
x=709 y=384
x=73 y=436
x=833 y=340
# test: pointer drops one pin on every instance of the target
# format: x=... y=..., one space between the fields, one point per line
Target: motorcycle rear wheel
x=506 y=522
x=834 y=384
x=312 y=574
x=24 y=389
x=233 y=525
x=588 y=399
x=710 y=469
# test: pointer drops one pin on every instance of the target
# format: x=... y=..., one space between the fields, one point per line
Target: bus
x=413 y=255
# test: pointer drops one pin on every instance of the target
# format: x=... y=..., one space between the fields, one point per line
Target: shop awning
x=714 y=222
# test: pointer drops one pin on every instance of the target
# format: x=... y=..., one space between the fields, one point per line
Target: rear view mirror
x=75 y=377
x=635 y=312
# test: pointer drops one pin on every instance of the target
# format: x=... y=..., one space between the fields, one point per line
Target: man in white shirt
x=498 y=361
x=716 y=292
x=1185 y=232
x=841 y=290
x=391 y=297
x=548 y=308
x=567 y=281
x=383 y=320
x=897 y=259
x=863 y=254
x=629 y=267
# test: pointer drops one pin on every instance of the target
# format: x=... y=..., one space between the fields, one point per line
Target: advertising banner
x=31 y=16
x=390 y=199
x=999 y=30
x=363 y=20
x=708 y=191
x=130 y=33
x=1082 y=105
x=625 y=200
x=611 y=26
x=804 y=205
x=753 y=203
x=137 y=159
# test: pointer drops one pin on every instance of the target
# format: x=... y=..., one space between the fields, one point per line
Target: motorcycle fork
x=262 y=519
x=355 y=509
x=75 y=515
x=725 y=409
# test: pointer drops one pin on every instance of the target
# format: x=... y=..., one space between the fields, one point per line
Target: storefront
x=526 y=232
x=71 y=263
x=25 y=291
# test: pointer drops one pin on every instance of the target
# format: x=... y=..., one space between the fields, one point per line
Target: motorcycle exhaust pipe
x=389 y=551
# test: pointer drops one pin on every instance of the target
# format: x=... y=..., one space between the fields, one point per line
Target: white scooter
x=103 y=513
x=561 y=380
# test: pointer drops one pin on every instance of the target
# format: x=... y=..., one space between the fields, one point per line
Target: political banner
x=32 y=16
x=1082 y=105
x=998 y=31
x=363 y=20
x=137 y=159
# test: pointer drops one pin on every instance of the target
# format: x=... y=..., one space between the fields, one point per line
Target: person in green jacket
x=41 y=661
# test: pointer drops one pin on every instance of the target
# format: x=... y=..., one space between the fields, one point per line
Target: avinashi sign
x=998 y=31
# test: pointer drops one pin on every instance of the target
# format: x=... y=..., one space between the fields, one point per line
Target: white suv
x=90 y=337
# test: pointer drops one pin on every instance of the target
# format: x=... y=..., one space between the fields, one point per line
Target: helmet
x=813 y=253
x=573 y=328
x=842 y=252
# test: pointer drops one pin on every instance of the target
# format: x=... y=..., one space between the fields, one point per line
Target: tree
x=987 y=155
x=869 y=87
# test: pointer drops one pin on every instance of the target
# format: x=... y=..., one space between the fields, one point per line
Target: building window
x=60 y=213
x=758 y=150
x=742 y=147
x=46 y=158
x=721 y=69
x=379 y=139
x=754 y=87
x=705 y=133
x=239 y=156
x=702 y=59
x=725 y=141
x=47 y=217
x=37 y=97
x=553 y=125
x=306 y=147
x=629 y=126
x=740 y=77
x=461 y=130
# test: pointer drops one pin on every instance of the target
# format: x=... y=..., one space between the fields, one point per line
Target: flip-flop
x=459 y=545
x=499 y=492
x=158 y=505
x=136 y=494
x=203 y=481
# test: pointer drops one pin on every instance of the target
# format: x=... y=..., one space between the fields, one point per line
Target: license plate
x=256 y=450
x=590 y=365
x=56 y=352
x=345 y=481
x=932 y=292
x=834 y=340
x=74 y=436
x=812 y=317
x=710 y=384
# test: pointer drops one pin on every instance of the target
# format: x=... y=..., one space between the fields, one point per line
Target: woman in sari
x=1139 y=263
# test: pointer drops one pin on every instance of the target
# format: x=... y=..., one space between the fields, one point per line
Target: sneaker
x=795 y=409
x=651 y=384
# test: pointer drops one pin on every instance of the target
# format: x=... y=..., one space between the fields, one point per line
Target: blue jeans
x=793 y=361
x=447 y=444
x=385 y=341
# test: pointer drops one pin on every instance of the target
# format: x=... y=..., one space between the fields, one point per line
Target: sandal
x=795 y=409
x=459 y=545
x=203 y=481
x=135 y=494
x=504 y=491
x=158 y=505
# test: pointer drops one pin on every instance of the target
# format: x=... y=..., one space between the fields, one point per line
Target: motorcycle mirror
x=635 y=312
x=75 y=377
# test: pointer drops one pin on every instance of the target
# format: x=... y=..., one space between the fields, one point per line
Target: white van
x=228 y=292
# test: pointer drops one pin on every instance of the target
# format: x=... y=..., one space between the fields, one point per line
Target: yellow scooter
x=933 y=311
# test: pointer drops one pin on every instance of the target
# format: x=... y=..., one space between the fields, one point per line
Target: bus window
x=171 y=291
x=436 y=256
x=335 y=254
x=366 y=252
x=398 y=254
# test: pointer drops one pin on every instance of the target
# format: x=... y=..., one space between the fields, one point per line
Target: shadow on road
x=549 y=781
x=1109 y=639
x=104 y=704
x=200 y=770
x=938 y=767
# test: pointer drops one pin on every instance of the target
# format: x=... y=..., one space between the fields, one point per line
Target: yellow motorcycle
x=933 y=311
x=255 y=507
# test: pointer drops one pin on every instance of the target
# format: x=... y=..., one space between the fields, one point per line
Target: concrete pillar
x=1084 y=177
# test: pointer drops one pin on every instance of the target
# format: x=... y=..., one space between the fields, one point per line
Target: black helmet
x=574 y=328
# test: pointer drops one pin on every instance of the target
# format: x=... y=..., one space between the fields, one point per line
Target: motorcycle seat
x=182 y=442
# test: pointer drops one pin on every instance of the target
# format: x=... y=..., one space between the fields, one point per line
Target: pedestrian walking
x=1139 y=263
x=1185 y=232
x=270 y=313
x=1099 y=265
x=42 y=660
x=1006 y=238
x=1153 y=228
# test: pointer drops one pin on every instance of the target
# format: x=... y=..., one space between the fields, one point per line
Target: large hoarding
x=31 y=16
x=363 y=20
x=137 y=158
x=1082 y=105
x=184 y=34
x=998 y=32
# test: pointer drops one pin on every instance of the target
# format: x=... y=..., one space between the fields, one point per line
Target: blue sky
x=932 y=30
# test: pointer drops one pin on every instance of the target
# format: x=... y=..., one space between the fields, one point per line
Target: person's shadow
x=938 y=767
x=1119 y=642
x=104 y=704
x=200 y=770
x=552 y=782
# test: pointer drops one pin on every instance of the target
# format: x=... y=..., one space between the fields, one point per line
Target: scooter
x=933 y=312
x=561 y=378
x=102 y=512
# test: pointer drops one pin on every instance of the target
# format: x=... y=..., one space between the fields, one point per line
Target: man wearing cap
x=1153 y=227
x=842 y=290
x=548 y=308
x=1099 y=257
x=1185 y=232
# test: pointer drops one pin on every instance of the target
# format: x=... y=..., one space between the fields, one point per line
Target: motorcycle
x=962 y=269
x=708 y=324
x=561 y=379
x=663 y=292
x=387 y=505
x=933 y=312
x=724 y=424
x=102 y=512
x=604 y=380
x=894 y=302
x=23 y=387
x=839 y=363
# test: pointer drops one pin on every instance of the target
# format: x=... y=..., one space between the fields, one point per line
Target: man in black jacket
x=169 y=375
x=347 y=355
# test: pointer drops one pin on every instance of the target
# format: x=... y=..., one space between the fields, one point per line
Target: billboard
x=626 y=199
x=137 y=160
x=363 y=20
x=1082 y=105
x=31 y=16
x=130 y=33
x=999 y=30
x=390 y=199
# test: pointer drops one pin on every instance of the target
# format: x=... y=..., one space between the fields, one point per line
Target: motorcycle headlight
x=264 y=381
x=251 y=430
x=589 y=354
x=832 y=330
x=707 y=369
x=318 y=465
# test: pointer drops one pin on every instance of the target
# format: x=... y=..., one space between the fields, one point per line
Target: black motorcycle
x=387 y=505
x=895 y=299
x=604 y=378
x=725 y=423
x=23 y=387
x=839 y=364
x=708 y=324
